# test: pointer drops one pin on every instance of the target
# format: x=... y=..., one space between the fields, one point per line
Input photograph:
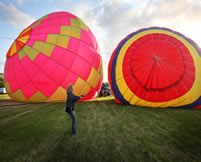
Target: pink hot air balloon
x=54 y=51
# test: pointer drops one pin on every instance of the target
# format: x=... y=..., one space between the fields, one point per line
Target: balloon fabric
x=156 y=67
x=54 y=51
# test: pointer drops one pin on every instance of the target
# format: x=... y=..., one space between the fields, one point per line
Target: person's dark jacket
x=71 y=100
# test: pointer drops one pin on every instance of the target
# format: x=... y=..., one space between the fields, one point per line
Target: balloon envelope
x=156 y=67
x=54 y=51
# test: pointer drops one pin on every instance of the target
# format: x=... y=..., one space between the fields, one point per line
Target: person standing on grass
x=70 y=106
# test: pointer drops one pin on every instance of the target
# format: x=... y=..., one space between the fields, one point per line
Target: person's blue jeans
x=73 y=117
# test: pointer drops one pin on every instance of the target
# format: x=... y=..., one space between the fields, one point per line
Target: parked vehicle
x=2 y=90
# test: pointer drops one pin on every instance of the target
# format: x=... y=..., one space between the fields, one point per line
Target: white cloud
x=20 y=2
x=113 y=20
x=11 y=15
x=2 y=62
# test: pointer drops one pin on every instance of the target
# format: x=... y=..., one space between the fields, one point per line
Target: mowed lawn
x=4 y=96
x=106 y=132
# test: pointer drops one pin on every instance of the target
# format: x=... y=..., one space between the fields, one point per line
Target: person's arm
x=82 y=96
x=75 y=98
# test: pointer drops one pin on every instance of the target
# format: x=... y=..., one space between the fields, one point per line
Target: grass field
x=4 y=96
x=106 y=132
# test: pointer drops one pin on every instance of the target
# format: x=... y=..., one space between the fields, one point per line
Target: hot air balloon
x=54 y=51
x=156 y=67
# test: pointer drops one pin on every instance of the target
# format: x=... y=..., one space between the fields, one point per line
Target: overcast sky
x=109 y=20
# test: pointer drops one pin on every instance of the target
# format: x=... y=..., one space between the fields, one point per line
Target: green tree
x=1 y=81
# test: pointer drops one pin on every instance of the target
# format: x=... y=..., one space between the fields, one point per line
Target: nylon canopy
x=156 y=67
x=55 y=50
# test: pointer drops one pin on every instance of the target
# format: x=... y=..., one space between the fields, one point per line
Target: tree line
x=1 y=81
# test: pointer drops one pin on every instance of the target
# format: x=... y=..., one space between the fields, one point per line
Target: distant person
x=70 y=106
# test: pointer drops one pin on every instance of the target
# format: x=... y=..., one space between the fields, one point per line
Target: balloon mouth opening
x=19 y=42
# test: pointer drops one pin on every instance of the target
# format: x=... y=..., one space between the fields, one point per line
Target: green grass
x=4 y=96
x=106 y=132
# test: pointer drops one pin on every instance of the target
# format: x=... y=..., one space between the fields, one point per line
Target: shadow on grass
x=115 y=132
x=107 y=131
